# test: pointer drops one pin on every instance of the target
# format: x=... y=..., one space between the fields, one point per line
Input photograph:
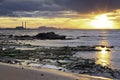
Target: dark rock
x=49 y=35
x=25 y=37
x=85 y=48
x=42 y=74
x=103 y=46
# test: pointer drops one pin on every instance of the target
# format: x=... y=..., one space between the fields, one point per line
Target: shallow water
x=80 y=38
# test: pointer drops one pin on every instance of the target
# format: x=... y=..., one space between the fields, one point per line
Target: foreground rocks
x=61 y=57
x=88 y=66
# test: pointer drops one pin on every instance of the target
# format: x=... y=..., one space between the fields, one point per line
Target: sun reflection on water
x=104 y=56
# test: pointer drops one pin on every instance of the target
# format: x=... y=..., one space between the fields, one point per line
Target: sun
x=102 y=22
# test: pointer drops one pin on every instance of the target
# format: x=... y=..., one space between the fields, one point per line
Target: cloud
x=55 y=7
x=85 y=6
x=29 y=5
x=46 y=14
x=10 y=7
x=1 y=0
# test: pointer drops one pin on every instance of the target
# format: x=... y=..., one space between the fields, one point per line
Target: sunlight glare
x=102 y=22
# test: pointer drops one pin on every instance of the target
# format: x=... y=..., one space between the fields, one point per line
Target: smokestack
x=25 y=25
x=22 y=24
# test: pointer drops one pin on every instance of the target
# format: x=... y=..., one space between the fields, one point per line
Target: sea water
x=80 y=38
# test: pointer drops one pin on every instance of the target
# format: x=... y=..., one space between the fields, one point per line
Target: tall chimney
x=25 y=25
x=22 y=24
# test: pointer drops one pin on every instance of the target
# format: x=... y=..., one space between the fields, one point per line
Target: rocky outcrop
x=49 y=35
x=42 y=36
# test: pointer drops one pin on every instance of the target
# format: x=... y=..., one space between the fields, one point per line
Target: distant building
x=20 y=27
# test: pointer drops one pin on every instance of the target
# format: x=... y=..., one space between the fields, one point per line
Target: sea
x=80 y=38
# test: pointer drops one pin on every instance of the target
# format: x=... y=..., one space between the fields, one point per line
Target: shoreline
x=46 y=74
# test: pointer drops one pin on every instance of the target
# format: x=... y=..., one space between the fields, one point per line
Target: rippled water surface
x=81 y=38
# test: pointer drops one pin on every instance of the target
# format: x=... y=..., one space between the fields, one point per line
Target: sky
x=74 y=14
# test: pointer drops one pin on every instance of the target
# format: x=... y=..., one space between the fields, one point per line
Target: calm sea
x=81 y=38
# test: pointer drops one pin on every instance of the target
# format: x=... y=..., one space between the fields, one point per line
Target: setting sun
x=102 y=22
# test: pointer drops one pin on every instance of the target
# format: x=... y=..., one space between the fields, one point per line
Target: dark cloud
x=10 y=7
x=25 y=7
x=1 y=0
x=85 y=6
x=29 y=5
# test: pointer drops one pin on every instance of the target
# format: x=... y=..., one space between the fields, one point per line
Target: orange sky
x=79 y=22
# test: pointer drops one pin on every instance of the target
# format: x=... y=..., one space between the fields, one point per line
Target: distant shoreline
x=52 y=29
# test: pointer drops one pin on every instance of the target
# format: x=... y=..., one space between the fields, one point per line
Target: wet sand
x=15 y=72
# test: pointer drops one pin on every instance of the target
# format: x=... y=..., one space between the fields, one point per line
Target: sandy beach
x=15 y=72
